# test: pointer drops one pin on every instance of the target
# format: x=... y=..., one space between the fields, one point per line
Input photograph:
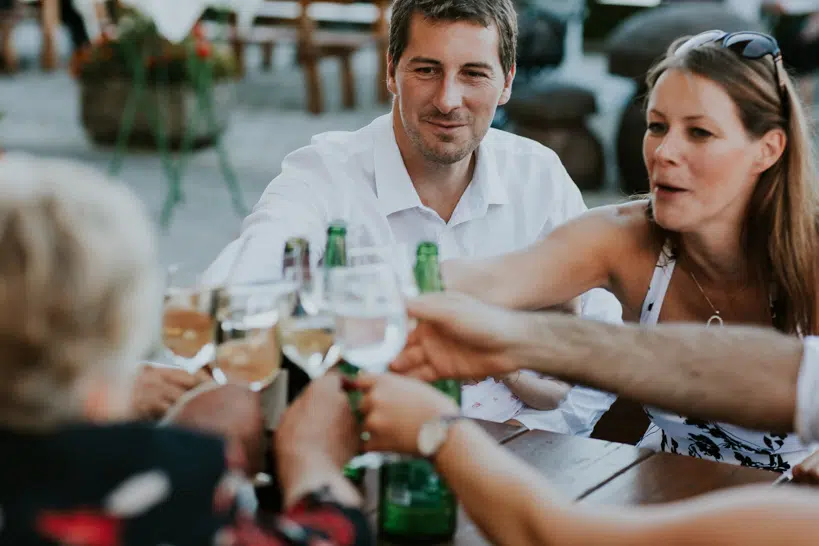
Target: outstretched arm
x=534 y=513
x=690 y=369
x=569 y=261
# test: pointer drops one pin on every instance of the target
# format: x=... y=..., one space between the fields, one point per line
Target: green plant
x=136 y=40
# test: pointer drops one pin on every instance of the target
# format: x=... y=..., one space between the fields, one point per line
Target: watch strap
x=448 y=421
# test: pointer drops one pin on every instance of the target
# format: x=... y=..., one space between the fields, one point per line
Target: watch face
x=430 y=437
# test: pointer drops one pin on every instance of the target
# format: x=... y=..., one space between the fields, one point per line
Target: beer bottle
x=296 y=262
x=415 y=505
x=335 y=255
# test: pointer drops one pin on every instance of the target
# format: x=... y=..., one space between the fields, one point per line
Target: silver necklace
x=715 y=318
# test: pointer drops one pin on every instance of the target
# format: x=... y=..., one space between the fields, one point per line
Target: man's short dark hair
x=500 y=13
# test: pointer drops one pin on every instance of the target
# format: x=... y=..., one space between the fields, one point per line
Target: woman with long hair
x=728 y=233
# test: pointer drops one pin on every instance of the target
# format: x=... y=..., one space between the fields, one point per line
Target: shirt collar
x=393 y=184
x=486 y=177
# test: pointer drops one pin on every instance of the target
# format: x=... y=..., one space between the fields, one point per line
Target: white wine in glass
x=247 y=350
x=370 y=338
x=307 y=328
x=307 y=341
x=371 y=319
x=253 y=361
x=187 y=324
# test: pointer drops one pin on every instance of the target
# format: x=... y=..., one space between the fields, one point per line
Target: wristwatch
x=433 y=434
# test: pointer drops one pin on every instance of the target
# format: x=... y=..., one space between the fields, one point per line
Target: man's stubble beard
x=433 y=156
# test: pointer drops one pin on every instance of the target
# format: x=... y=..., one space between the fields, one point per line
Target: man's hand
x=317 y=436
x=459 y=337
x=157 y=389
x=395 y=407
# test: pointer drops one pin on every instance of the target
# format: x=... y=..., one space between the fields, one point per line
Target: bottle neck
x=336 y=252
x=428 y=276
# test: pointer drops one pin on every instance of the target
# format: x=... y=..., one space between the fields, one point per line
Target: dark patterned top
x=135 y=484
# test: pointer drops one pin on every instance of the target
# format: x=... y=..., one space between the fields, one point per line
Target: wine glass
x=247 y=349
x=187 y=321
x=306 y=325
x=395 y=255
x=370 y=316
x=367 y=302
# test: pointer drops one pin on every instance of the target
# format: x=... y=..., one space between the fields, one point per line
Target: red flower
x=80 y=528
x=203 y=50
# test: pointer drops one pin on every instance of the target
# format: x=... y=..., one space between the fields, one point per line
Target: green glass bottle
x=335 y=255
x=415 y=505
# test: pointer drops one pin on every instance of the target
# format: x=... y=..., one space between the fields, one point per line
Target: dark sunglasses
x=748 y=44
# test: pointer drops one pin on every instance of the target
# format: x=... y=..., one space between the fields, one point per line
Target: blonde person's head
x=79 y=292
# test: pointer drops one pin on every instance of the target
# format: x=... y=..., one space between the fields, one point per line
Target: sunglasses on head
x=748 y=44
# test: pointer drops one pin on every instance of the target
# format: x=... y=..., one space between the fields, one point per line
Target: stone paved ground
x=42 y=117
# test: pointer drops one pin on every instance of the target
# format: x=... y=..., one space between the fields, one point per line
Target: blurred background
x=254 y=79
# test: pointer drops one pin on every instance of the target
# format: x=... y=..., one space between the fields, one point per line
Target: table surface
x=594 y=471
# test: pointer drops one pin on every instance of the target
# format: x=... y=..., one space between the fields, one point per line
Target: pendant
x=715 y=319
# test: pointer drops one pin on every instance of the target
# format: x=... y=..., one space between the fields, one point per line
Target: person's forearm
x=483 y=279
x=532 y=513
x=477 y=469
x=705 y=373
x=540 y=393
x=487 y=279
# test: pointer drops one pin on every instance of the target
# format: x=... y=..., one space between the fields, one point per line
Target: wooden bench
x=49 y=15
x=314 y=28
x=48 y=12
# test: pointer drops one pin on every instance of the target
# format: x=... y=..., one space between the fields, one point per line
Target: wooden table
x=594 y=471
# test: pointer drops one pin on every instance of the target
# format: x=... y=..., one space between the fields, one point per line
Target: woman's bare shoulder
x=627 y=221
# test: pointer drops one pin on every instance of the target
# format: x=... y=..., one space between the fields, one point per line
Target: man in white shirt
x=432 y=170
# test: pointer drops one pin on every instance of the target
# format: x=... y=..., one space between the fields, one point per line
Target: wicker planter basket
x=103 y=104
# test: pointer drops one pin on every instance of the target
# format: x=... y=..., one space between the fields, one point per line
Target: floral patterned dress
x=135 y=484
x=721 y=442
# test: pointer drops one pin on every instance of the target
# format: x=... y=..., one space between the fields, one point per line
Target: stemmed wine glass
x=247 y=349
x=395 y=255
x=187 y=321
x=367 y=303
x=306 y=325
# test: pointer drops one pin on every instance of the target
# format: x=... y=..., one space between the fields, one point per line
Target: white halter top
x=706 y=440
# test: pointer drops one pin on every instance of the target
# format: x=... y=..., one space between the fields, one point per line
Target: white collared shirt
x=519 y=192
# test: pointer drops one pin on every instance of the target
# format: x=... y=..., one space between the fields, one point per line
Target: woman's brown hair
x=781 y=224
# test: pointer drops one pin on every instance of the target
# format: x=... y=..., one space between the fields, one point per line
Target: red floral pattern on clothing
x=306 y=524
x=80 y=528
